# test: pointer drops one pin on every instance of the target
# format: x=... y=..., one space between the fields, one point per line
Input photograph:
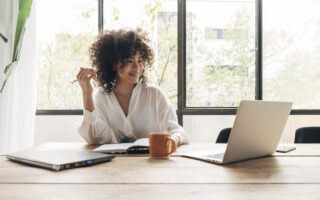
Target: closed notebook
x=139 y=146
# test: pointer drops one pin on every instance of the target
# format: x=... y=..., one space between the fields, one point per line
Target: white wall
x=206 y=128
x=57 y=128
x=202 y=129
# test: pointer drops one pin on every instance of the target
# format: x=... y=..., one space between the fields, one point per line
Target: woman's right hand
x=84 y=77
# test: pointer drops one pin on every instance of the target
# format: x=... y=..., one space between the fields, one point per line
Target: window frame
x=182 y=109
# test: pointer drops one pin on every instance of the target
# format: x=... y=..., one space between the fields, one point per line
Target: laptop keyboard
x=216 y=156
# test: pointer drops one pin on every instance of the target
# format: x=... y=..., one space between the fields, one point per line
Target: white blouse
x=149 y=111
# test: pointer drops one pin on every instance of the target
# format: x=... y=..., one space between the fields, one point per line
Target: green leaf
x=9 y=68
x=24 y=13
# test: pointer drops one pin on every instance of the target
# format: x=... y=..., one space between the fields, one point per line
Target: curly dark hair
x=117 y=45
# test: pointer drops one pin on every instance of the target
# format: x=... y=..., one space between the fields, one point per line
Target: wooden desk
x=276 y=177
x=302 y=149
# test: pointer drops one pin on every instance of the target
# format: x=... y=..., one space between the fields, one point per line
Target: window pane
x=159 y=19
x=220 y=52
x=291 y=52
x=65 y=32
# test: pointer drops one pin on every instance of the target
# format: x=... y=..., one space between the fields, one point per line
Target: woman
x=125 y=105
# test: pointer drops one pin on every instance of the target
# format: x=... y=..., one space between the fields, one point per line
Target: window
x=66 y=29
x=291 y=48
x=159 y=19
x=207 y=53
x=213 y=34
x=224 y=86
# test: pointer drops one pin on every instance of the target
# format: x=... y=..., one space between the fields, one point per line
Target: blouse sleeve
x=94 y=127
x=168 y=118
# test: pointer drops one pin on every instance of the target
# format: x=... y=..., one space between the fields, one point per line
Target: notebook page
x=142 y=142
x=113 y=147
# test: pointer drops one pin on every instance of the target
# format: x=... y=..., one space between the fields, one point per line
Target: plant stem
x=165 y=68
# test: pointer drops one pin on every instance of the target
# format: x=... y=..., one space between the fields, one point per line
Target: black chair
x=223 y=135
x=307 y=135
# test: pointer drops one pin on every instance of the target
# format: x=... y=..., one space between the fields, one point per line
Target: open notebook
x=139 y=146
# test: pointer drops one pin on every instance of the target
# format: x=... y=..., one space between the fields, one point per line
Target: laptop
x=59 y=159
x=256 y=132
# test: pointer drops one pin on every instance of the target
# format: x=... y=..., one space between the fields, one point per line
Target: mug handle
x=173 y=146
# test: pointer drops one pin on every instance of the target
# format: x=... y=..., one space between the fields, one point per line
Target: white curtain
x=18 y=99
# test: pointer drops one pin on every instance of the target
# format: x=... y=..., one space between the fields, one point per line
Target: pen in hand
x=90 y=74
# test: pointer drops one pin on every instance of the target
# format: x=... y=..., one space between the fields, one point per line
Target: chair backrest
x=223 y=135
x=307 y=135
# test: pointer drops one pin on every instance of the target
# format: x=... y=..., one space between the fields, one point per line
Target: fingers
x=80 y=72
x=93 y=76
x=89 y=77
x=86 y=74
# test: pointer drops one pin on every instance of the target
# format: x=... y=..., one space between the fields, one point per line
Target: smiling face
x=131 y=70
